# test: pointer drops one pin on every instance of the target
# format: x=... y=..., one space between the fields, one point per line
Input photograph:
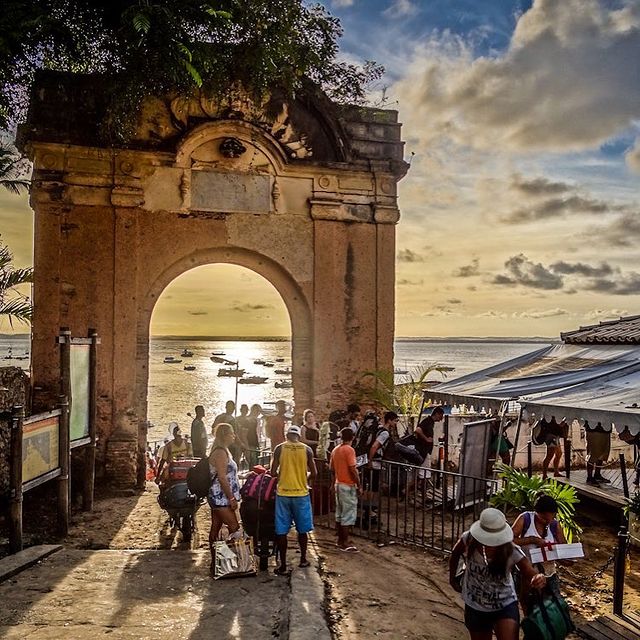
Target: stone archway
x=298 y=191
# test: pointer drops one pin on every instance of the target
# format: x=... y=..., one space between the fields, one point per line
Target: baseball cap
x=294 y=428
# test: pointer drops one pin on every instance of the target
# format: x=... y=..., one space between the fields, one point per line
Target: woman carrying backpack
x=536 y=529
x=488 y=591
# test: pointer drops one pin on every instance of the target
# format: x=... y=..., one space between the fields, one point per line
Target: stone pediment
x=69 y=109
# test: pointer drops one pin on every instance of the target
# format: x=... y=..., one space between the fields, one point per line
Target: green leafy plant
x=156 y=47
x=519 y=493
x=380 y=388
x=632 y=505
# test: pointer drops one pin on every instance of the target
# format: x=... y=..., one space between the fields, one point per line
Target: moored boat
x=190 y=367
x=171 y=360
x=283 y=384
x=279 y=359
x=186 y=353
x=218 y=353
x=259 y=361
x=253 y=380
x=268 y=364
x=230 y=373
x=284 y=372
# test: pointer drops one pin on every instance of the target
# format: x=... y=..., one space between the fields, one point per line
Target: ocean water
x=173 y=392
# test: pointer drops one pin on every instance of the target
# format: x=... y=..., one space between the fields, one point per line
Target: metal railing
x=429 y=508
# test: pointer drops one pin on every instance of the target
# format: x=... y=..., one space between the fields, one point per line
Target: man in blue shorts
x=292 y=461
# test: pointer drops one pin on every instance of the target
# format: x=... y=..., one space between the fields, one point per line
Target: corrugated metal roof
x=622 y=331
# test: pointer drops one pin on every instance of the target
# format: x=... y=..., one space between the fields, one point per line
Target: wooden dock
x=611 y=627
x=611 y=494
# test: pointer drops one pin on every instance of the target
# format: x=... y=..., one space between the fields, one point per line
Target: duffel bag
x=548 y=619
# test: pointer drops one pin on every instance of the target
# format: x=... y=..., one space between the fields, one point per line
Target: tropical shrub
x=519 y=493
x=405 y=397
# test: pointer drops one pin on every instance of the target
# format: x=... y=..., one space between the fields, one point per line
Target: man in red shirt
x=347 y=486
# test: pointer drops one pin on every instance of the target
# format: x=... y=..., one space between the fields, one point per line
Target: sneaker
x=602 y=479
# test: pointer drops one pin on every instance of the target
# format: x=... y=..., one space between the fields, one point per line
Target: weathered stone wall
x=14 y=390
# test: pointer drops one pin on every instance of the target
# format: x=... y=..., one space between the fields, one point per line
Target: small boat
x=400 y=372
x=284 y=372
x=253 y=380
x=258 y=361
x=279 y=359
x=283 y=384
x=190 y=367
x=230 y=373
x=218 y=353
x=171 y=360
x=268 y=364
x=186 y=353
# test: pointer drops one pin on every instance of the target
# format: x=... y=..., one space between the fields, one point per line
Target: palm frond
x=16 y=309
x=10 y=278
x=16 y=187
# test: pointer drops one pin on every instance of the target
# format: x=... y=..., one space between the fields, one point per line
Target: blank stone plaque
x=230 y=193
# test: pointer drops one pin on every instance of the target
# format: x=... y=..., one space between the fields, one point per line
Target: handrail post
x=619 y=569
x=529 y=458
x=623 y=472
x=15 y=479
x=64 y=460
x=567 y=458
x=90 y=452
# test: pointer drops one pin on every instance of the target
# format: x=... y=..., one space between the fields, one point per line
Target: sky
x=520 y=212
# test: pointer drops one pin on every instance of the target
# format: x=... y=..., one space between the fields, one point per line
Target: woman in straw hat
x=488 y=591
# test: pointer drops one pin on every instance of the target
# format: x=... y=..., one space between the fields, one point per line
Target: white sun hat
x=492 y=529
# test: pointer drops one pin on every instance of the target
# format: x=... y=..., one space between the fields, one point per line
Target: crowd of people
x=498 y=574
x=351 y=445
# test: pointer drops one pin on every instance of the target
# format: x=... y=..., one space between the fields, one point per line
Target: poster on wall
x=40 y=447
x=79 y=416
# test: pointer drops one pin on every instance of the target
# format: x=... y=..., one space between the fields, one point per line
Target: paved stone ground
x=155 y=594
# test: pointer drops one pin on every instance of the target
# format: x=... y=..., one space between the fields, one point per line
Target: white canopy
x=602 y=377
x=615 y=400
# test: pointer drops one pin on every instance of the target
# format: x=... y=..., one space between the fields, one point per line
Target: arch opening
x=228 y=312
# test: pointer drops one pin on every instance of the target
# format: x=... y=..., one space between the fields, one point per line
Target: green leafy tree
x=519 y=493
x=153 y=46
x=405 y=398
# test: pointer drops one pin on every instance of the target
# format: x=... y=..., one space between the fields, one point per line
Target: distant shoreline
x=460 y=339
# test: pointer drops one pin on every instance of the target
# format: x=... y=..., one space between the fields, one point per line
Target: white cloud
x=541 y=313
x=605 y=314
x=401 y=9
x=569 y=80
x=342 y=3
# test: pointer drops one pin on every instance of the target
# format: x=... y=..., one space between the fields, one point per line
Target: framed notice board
x=40 y=441
x=80 y=371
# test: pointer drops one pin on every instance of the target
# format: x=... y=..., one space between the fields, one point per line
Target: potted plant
x=519 y=493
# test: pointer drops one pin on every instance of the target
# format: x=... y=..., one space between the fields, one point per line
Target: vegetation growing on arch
x=153 y=46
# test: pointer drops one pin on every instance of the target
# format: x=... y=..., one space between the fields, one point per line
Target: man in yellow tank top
x=292 y=461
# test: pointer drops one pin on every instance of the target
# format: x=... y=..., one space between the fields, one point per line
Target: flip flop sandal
x=349 y=549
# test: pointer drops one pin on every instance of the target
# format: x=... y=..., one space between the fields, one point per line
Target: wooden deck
x=611 y=494
x=611 y=627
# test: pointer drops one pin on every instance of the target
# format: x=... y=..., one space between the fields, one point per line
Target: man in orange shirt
x=276 y=424
x=343 y=466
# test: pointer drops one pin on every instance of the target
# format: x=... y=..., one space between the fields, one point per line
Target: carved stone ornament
x=232 y=148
